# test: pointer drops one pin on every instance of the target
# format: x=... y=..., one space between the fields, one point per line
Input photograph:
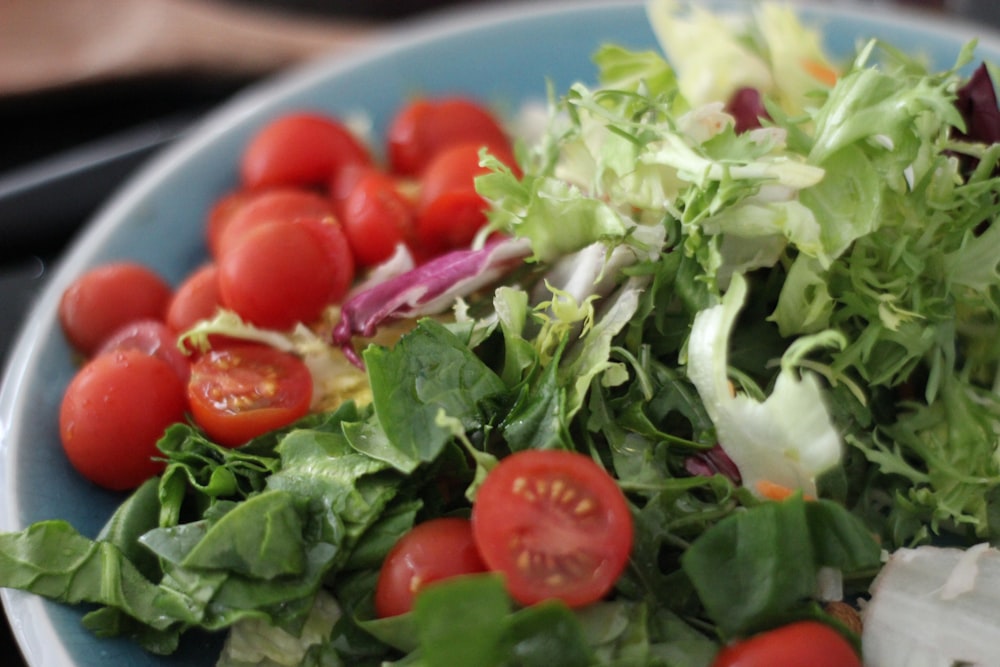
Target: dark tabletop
x=43 y=135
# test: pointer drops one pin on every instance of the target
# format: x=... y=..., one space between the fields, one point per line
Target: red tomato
x=300 y=149
x=425 y=127
x=450 y=211
x=108 y=297
x=376 y=217
x=220 y=215
x=429 y=552
x=277 y=205
x=340 y=260
x=195 y=299
x=151 y=337
x=555 y=524
x=114 y=411
x=282 y=273
x=242 y=391
x=801 y=644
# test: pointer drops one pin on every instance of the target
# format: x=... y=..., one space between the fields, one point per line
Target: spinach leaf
x=759 y=566
x=428 y=370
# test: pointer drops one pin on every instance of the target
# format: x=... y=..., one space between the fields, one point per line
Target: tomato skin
x=424 y=127
x=114 y=411
x=376 y=217
x=153 y=338
x=279 y=274
x=800 y=644
x=108 y=297
x=450 y=212
x=429 y=552
x=555 y=524
x=196 y=298
x=275 y=205
x=299 y=149
x=241 y=391
x=220 y=215
x=337 y=249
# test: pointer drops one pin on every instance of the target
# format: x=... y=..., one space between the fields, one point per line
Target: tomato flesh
x=113 y=413
x=242 y=391
x=431 y=551
x=555 y=524
x=800 y=644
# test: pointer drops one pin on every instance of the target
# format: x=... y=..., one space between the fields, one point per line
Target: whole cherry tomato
x=429 y=552
x=800 y=644
x=113 y=413
x=108 y=297
x=425 y=127
x=302 y=148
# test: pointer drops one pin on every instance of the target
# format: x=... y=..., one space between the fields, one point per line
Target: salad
x=712 y=382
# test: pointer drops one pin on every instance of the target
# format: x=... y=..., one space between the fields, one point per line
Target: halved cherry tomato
x=197 y=298
x=243 y=390
x=300 y=149
x=449 y=210
x=151 y=337
x=114 y=411
x=282 y=273
x=108 y=297
x=376 y=217
x=555 y=524
x=284 y=204
x=800 y=644
x=425 y=127
x=431 y=551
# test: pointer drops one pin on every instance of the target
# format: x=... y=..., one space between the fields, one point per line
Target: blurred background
x=90 y=89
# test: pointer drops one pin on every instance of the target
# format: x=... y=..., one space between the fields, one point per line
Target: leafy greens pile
x=810 y=304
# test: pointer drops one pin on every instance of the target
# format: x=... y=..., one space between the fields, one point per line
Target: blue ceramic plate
x=504 y=55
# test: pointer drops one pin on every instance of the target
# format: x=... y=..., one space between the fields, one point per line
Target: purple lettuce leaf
x=427 y=289
x=977 y=102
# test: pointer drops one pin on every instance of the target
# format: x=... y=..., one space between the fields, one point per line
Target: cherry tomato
x=195 y=299
x=220 y=214
x=425 y=127
x=429 y=552
x=376 y=217
x=277 y=205
x=108 y=297
x=282 y=273
x=555 y=524
x=114 y=411
x=151 y=337
x=450 y=211
x=800 y=644
x=300 y=149
x=340 y=260
x=243 y=390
